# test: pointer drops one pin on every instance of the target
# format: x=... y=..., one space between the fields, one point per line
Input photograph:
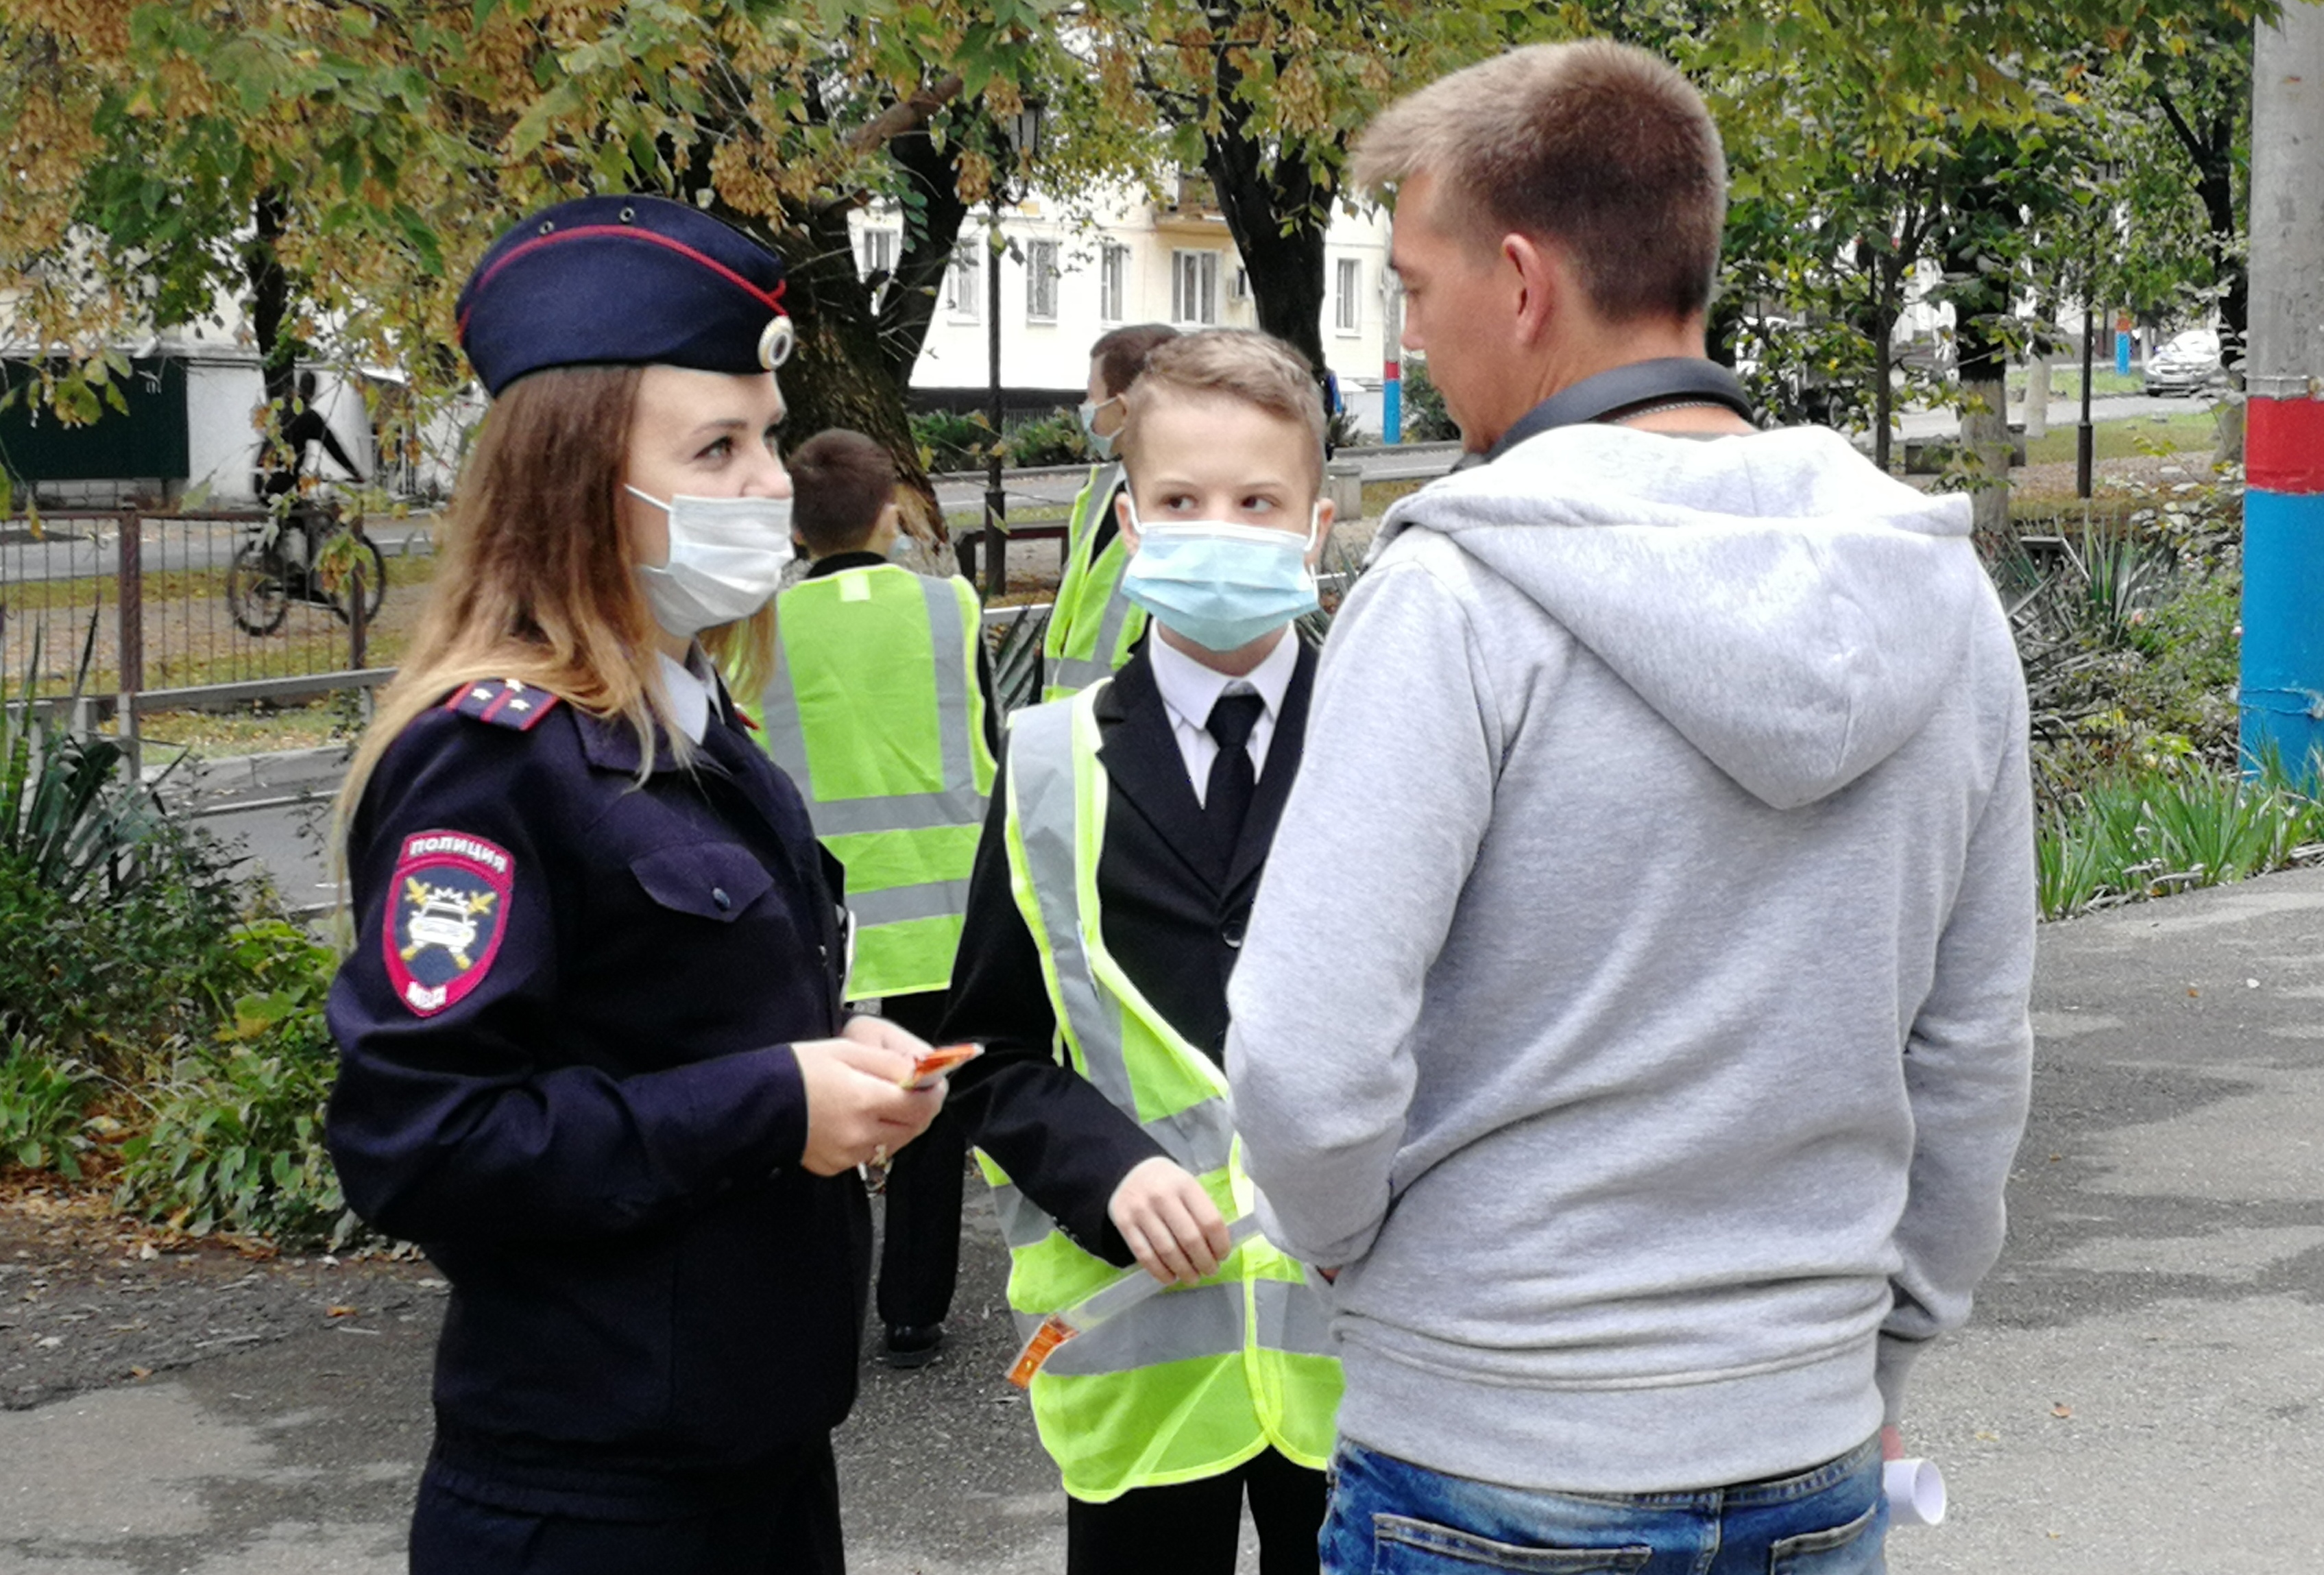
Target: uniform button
x=718 y=895
x=1232 y=932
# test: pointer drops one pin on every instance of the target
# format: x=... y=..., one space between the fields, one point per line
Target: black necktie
x=1226 y=798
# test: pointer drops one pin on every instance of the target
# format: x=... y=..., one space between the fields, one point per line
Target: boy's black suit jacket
x=1174 y=908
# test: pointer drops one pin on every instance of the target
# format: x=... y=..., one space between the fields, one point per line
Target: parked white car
x=2187 y=364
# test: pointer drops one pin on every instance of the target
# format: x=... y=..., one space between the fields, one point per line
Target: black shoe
x=912 y=1344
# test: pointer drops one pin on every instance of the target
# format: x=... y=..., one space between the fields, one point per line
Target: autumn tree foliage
x=338 y=167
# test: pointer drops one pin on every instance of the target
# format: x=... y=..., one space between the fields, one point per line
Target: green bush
x=42 y=1107
x=1426 y=418
x=1056 y=438
x=115 y=918
x=951 y=442
x=236 y=1142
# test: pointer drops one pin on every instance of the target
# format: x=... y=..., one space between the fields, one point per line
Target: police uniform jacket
x=564 y=1074
x=1173 y=907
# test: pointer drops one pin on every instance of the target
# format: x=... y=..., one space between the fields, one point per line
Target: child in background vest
x=1127 y=832
x=848 y=714
x=1091 y=626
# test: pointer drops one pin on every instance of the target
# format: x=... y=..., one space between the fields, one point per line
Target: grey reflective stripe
x=1041 y=785
x=1021 y=1224
x=1041 y=776
x=778 y=714
x=1177 y=1326
x=948 y=638
x=1081 y=671
x=896 y=812
x=956 y=804
x=897 y=905
x=1201 y=1139
x=1293 y=1319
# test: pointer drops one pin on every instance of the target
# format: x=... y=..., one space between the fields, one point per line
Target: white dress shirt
x=689 y=694
x=1189 y=691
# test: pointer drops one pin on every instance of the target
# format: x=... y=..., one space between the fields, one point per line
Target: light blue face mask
x=1220 y=584
x=1102 y=447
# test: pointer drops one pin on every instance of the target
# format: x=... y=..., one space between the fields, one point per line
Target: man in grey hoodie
x=1634 y=1014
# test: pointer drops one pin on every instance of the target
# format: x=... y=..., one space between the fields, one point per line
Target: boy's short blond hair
x=1597 y=145
x=1242 y=364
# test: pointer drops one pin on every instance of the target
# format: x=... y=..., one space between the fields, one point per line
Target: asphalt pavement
x=2141 y=1393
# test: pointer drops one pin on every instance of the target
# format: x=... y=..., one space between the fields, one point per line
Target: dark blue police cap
x=623 y=279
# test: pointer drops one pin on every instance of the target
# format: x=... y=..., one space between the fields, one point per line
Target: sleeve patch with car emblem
x=447 y=911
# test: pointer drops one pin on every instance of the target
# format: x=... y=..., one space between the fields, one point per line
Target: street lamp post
x=1023 y=135
x=2085 y=435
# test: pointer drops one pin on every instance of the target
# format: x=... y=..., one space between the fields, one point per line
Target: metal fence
x=189 y=608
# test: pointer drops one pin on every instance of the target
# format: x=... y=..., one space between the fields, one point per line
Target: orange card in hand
x=926 y=1068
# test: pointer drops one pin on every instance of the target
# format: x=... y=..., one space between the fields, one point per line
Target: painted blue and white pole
x=1391 y=363
x=2282 y=682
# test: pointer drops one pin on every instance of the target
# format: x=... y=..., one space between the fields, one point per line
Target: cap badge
x=775 y=342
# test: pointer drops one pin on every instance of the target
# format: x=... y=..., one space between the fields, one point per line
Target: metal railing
x=181 y=609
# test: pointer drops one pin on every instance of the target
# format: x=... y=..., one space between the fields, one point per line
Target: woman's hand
x=857 y=1111
x=1169 y=1222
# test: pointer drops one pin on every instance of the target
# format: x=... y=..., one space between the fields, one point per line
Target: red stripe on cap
x=770 y=298
x=2283 y=446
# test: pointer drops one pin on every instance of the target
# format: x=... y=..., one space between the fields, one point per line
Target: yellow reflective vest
x=1197 y=1380
x=1092 y=626
x=875 y=713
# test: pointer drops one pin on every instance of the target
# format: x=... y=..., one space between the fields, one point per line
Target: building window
x=1041 y=280
x=1195 y=287
x=1112 y=281
x=963 y=279
x=877 y=263
x=1349 y=315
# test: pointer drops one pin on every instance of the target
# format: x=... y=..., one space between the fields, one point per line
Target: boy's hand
x=1169 y=1222
x=857 y=1111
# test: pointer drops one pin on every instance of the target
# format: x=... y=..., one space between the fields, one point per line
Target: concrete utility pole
x=2282 y=688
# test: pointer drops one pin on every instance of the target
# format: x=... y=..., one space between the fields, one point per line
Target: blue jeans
x=1390 y=1517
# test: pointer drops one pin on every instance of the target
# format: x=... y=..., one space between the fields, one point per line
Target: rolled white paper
x=1915 y=1490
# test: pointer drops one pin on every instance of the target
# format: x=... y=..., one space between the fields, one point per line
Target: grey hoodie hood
x=1795 y=615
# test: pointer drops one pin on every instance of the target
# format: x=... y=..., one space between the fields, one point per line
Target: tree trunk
x=270 y=309
x=838 y=374
x=1884 y=393
x=2037 y=394
x=1278 y=215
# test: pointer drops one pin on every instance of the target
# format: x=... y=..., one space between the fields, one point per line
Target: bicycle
x=267 y=576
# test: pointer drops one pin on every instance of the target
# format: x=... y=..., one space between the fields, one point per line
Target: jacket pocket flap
x=711 y=880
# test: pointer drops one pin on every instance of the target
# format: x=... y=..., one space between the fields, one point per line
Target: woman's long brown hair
x=537 y=582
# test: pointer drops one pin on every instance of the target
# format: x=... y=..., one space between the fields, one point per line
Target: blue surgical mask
x=1102 y=447
x=1220 y=584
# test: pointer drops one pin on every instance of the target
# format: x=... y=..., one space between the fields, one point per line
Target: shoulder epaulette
x=502 y=701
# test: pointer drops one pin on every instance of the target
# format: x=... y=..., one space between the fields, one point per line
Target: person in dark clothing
x=1111 y=893
x=864 y=707
x=592 y=1054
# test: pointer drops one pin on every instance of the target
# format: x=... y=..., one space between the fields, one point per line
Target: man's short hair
x=840 y=481
x=1243 y=364
x=1121 y=356
x=1599 y=146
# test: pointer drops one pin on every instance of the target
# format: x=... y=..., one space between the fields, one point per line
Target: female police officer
x=592 y=1055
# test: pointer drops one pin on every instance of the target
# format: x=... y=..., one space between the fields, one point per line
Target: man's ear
x=1122 y=511
x=1544 y=284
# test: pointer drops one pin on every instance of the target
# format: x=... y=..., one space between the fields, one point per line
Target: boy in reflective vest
x=879 y=709
x=1093 y=629
x=1127 y=832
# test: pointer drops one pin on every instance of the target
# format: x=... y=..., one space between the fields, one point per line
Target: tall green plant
x=67 y=812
